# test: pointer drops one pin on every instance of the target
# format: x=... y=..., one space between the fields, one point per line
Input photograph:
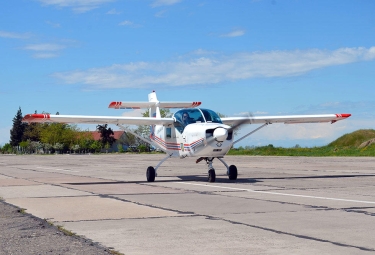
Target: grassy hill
x=346 y=145
x=354 y=139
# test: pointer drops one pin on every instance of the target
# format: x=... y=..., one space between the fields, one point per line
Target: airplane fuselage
x=196 y=140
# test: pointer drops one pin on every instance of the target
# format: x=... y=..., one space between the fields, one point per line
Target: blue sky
x=267 y=57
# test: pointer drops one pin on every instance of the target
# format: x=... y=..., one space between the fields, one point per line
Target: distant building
x=118 y=135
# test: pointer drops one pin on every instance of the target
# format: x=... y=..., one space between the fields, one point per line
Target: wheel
x=211 y=175
x=150 y=174
x=232 y=172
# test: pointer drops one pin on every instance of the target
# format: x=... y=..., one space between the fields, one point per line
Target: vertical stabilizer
x=154 y=109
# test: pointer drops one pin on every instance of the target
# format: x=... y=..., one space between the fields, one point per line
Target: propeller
x=220 y=133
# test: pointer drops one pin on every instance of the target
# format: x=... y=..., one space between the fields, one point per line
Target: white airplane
x=190 y=132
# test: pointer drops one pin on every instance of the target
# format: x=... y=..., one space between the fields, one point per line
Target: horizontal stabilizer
x=143 y=105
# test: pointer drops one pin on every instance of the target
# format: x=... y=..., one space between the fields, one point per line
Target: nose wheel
x=211 y=175
x=211 y=170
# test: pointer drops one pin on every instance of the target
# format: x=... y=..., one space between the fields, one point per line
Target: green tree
x=107 y=146
x=60 y=133
x=7 y=148
x=96 y=146
x=84 y=140
x=106 y=134
x=33 y=130
x=16 y=133
x=25 y=146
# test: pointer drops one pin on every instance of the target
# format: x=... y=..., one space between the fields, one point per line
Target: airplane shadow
x=181 y=178
x=221 y=179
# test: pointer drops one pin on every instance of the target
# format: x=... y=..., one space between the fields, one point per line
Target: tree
x=84 y=140
x=60 y=133
x=25 y=146
x=7 y=148
x=106 y=134
x=16 y=133
x=33 y=130
x=96 y=146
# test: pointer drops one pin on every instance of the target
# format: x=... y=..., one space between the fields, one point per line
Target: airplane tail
x=154 y=110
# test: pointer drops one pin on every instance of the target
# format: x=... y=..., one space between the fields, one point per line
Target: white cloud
x=203 y=52
x=45 y=55
x=12 y=35
x=133 y=113
x=158 y=3
x=160 y=14
x=52 y=24
x=215 y=68
x=45 y=47
x=234 y=33
x=45 y=50
x=260 y=113
x=113 y=12
x=129 y=24
x=126 y=23
x=79 y=6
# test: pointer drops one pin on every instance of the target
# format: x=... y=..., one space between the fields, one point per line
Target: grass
x=65 y=231
x=115 y=252
x=346 y=146
x=22 y=210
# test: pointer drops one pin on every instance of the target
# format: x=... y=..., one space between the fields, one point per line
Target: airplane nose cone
x=220 y=134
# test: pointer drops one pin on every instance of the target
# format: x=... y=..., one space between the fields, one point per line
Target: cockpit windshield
x=195 y=115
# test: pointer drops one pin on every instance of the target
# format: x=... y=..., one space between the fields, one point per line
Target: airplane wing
x=96 y=119
x=291 y=119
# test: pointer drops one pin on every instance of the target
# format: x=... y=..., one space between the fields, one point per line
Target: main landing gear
x=231 y=170
x=151 y=171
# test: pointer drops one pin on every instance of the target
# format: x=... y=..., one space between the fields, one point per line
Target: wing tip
x=35 y=117
x=114 y=105
x=343 y=115
x=196 y=104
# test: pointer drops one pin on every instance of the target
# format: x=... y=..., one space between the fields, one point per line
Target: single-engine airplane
x=190 y=132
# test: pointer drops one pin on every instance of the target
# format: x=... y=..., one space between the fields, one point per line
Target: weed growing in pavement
x=65 y=231
x=22 y=210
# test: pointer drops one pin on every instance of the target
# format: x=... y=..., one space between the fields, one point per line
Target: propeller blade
x=220 y=133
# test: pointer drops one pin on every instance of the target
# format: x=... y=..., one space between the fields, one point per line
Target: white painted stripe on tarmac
x=56 y=169
x=277 y=193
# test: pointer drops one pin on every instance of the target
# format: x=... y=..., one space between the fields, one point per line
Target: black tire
x=211 y=175
x=232 y=172
x=150 y=174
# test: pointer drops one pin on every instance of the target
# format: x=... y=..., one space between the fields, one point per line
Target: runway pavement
x=278 y=205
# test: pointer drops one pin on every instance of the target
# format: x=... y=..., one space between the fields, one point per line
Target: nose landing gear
x=231 y=170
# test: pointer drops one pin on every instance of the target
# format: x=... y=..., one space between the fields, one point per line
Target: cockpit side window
x=211 y=116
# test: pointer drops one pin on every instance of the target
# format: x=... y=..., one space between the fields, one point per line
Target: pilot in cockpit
x=186 y=119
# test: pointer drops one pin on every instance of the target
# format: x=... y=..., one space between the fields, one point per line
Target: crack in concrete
x=292 y=234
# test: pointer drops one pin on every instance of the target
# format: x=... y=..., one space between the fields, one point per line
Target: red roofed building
x=116 y=134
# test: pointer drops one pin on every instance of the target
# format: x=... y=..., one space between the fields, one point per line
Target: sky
x=266 y=57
